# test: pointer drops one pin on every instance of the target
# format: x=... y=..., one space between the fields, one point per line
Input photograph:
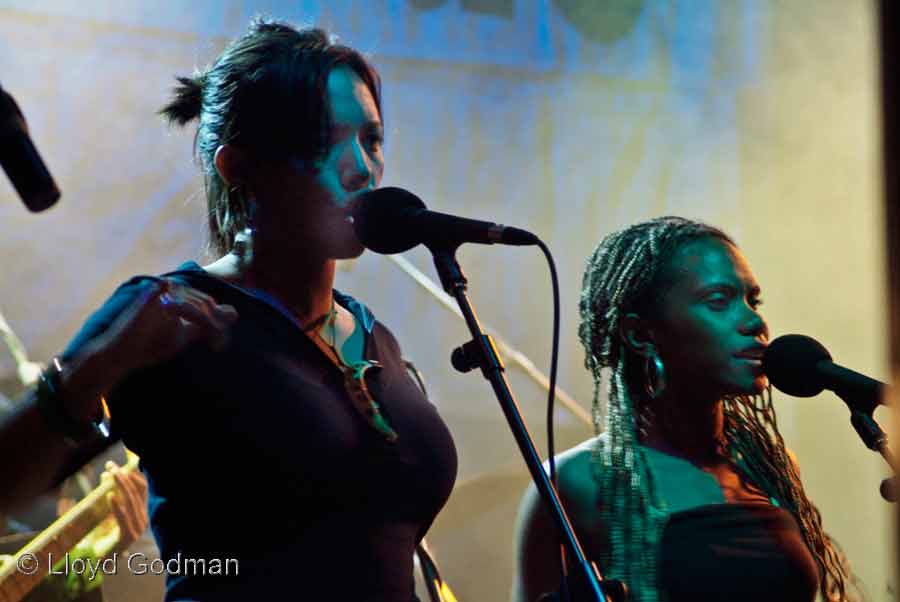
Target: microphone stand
x=875 y=439
x=870 y=432
x=480 y=352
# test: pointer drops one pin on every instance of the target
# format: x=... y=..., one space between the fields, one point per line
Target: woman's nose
x=755 y=325
x=356 y=173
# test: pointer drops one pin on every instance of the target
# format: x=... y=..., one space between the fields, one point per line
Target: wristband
x=52 y=408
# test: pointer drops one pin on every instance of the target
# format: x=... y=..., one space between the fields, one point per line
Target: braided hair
x=624 y=274
x=267 y=92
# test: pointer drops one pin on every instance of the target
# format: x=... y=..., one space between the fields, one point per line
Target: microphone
x=800 y=366
x=393 y=220
x=20 y=159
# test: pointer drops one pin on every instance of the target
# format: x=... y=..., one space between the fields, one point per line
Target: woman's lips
x=752 y=356
x=755 y=353
x=752 y=361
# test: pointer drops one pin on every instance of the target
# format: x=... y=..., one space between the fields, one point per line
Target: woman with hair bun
x=689 y=493
x=297 y=459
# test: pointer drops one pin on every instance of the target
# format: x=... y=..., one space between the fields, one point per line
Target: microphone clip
x=876 y=439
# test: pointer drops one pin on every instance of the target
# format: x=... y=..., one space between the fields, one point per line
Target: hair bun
x=187 y=100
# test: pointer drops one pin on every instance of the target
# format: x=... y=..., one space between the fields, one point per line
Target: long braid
x=619 y=276
x=758 y=451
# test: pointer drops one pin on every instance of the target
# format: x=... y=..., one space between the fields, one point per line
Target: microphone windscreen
x=790 y=363
x=381 y=219
x=21 y=161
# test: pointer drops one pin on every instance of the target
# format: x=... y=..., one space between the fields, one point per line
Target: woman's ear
x=637 y=335
x=231 y=164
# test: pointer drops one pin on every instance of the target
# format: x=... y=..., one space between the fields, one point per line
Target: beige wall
x=811 y=223
x=776 y=143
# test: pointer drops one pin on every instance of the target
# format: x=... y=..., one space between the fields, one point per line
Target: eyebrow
x=371 y=124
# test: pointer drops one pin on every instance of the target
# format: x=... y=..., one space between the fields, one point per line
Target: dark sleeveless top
x=255 y=453
x=736 y=552
x=732 y=553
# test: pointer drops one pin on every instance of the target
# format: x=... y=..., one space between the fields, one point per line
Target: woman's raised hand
x=161 y=322
x=165 y=320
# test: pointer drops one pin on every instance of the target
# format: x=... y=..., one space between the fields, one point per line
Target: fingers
x=223 y=314
x=199 y=322
x=131 y=481
x=128 y=502
x=121 y=506
x=199 y=314
x=164 y=318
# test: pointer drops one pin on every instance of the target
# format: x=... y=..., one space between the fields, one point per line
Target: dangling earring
x=656 y=376
x=243 y=246
x=243 y=240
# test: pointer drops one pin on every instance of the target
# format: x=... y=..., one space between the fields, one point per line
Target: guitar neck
x=57 y=539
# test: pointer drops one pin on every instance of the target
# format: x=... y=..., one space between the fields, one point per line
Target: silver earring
x=655 y=383
x=243 y=245
x=243 y=240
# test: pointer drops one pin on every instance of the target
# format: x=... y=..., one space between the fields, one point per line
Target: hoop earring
x=656 y=376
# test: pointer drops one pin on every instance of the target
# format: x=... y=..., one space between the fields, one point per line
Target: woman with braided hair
x=297 y=458
x=689 y=493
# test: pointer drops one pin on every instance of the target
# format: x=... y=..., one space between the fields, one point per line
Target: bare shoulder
x=576 y=479
x=577 y=486
x=224 y=268
x=536 y=538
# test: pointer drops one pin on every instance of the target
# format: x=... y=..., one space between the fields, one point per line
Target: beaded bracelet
x=52 y=408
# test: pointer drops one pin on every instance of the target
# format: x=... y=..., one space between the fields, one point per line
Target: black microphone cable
x=554 y=360
x=551 y=401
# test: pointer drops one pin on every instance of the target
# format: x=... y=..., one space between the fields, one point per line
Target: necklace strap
x=329 y=350
x=331 y=315
x=355 y=384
